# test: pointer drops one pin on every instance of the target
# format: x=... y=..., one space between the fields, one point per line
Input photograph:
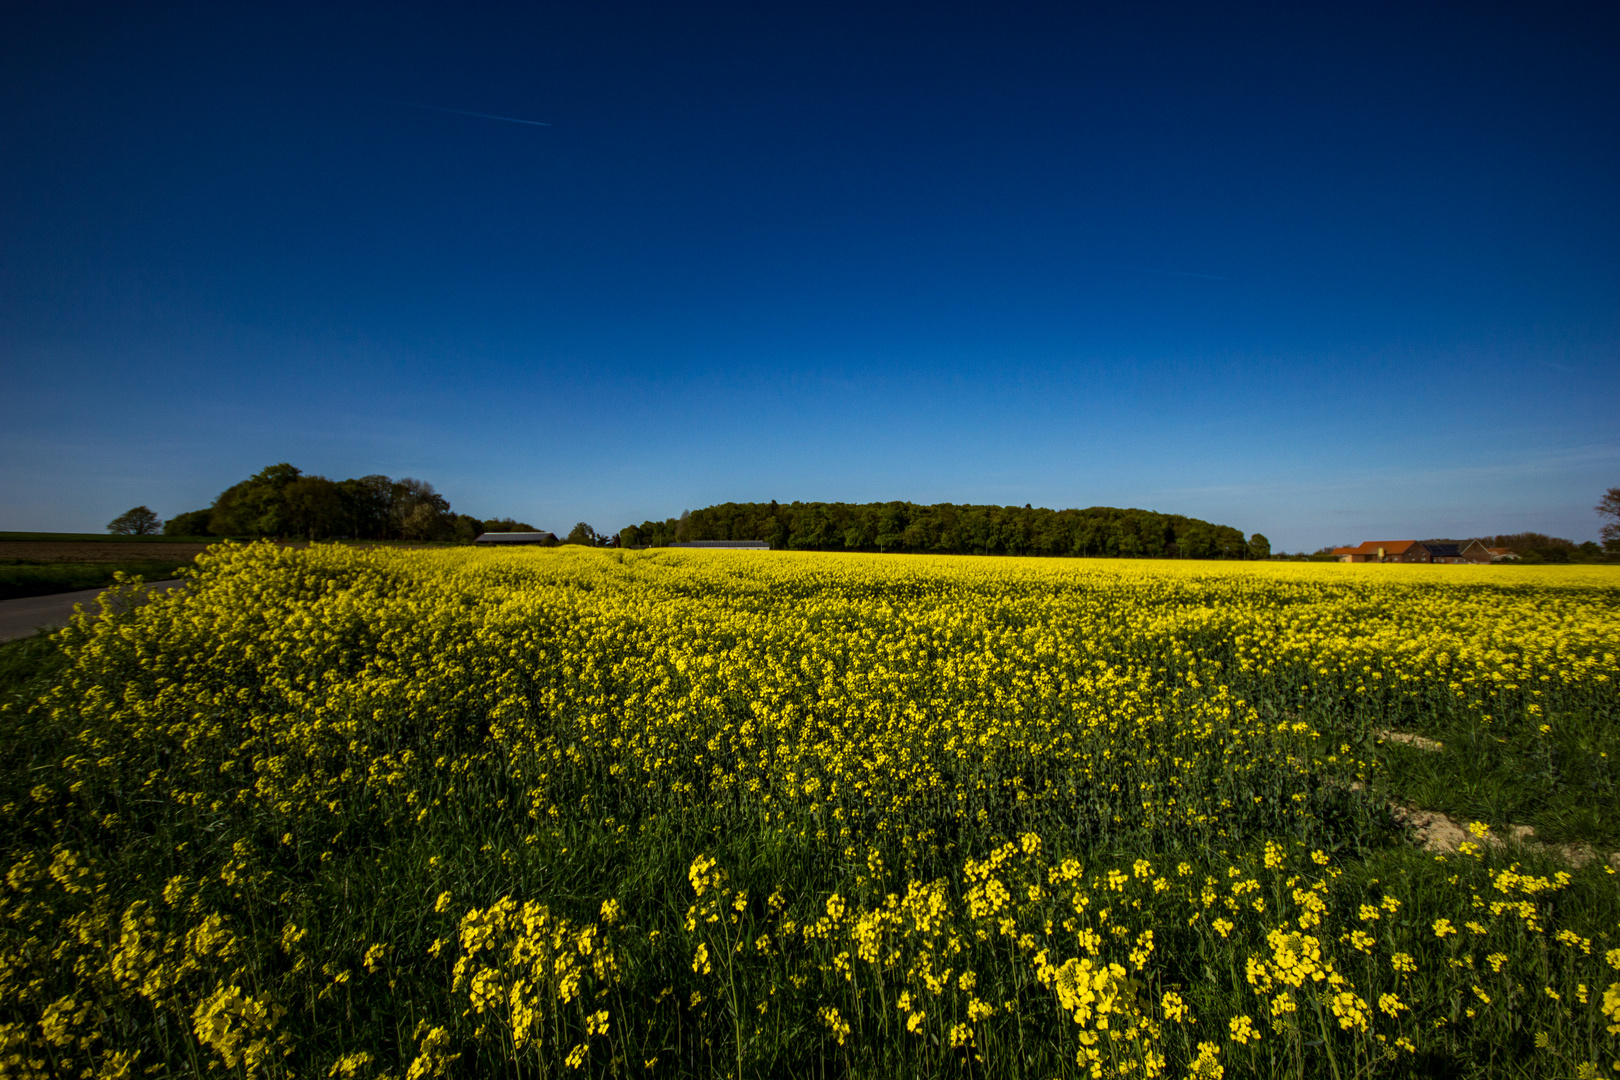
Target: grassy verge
x=28 y=666
x=23 y=579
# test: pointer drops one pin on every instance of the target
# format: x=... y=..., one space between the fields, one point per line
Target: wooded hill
x=945 y=528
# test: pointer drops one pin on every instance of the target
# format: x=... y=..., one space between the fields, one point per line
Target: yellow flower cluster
x=520 y=966
x=927 y=809
x=1069 y=960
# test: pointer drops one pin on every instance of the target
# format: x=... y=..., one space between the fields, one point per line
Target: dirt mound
x=1444 y=835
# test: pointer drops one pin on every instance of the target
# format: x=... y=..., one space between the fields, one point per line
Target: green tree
x=1259 y=547
x=947 y=528
x=367 y=502
x=862 y=533
x=254 y=507
x=418 y=512
x=139 y=521
x=190 y=523
x=1533 y=547
x=507 y=524
x=1198 y=542
x=582 y=533
x=812 y=531
x=314 y=507
x=649 y=534
x=1609 y=508
x=420 y=522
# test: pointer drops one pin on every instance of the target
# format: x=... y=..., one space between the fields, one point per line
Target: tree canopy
x=947 y=528
x=139 y=521
x=582 y=533
x=190 y=523
x=282 y=500
x=1609 y=508
x=507 y=525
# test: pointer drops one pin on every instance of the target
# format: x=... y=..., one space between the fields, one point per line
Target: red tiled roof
x=1391 y=547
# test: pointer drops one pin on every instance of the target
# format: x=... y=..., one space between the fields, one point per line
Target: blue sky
x=1329 y=274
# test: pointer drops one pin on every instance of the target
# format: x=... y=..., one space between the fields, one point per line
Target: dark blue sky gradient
x=1329 y=275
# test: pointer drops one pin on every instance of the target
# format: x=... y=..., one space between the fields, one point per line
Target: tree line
x=1539 y=547
x=947 y=528
x=283 y=501
x=1532 y=547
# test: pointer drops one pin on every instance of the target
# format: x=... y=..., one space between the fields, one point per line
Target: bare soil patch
x=45 y=551
x=1443 y=834
x=1406 y=738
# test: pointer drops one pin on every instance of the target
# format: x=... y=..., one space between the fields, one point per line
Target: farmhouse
x=1380 y=551
x=1406 y=551
x=1443 y=551
x=1476 y=552
x=492 y=539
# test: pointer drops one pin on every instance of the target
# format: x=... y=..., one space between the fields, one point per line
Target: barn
x=517 y=539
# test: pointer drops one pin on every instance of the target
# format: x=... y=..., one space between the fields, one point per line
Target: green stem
x=1327 y=1038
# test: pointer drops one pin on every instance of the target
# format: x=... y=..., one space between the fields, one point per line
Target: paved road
x=20 y=618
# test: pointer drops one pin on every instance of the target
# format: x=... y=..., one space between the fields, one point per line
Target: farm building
x=1476 y=552
x=1444 y=551
x=1380 y=551
x=1406 y=551
x=492 y=539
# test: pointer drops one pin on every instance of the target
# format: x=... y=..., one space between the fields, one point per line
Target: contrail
x=481 y=115
x=1184 y=273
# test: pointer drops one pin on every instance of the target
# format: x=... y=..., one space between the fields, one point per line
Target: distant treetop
x=948 y=528
x=139 y=521
x=282 y=500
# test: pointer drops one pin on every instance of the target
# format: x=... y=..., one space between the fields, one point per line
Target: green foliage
x=1562 y=781
x=506 y=525
x=191 y=523
x=256 y=506
x=314 y=506
x=583 y=534
x=27 y=666
x=283 y=501
x=367 y=502
x=1259 y=547
x=950 y=529
x=317 y=811
x=417 y=512
x=465 y=528
x=1609 y=507
x=650 y=534
x=1534 y=548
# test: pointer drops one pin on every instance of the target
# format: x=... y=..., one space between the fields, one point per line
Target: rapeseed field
x=417 y=814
